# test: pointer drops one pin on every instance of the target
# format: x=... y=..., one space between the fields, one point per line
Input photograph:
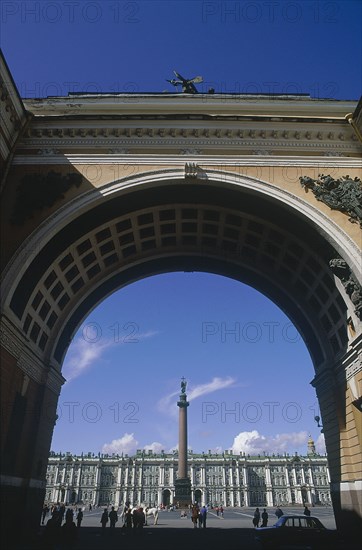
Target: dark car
x=293 y=531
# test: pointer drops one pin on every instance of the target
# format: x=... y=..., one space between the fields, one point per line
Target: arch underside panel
x=181 y=227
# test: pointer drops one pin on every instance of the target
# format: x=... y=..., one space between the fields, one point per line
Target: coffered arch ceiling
x=181 y=225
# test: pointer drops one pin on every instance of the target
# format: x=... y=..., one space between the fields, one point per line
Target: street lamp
x=317 y=419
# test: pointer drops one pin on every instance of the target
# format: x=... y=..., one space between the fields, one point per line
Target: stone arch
x=227 y=224
x=161 y=221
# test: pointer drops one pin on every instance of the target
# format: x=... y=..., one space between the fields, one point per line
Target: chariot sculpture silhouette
x=188 y=84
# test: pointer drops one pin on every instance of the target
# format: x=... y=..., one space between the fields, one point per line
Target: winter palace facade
x=223 y=479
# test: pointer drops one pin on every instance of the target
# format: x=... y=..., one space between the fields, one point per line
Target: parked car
x=294 y=531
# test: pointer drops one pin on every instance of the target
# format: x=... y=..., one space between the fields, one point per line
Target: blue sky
x=249 y=390
x=282 y=46
x=247 y=368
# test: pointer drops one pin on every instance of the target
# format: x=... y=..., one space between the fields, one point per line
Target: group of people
x=58 y=513
x=198 y=515
x=55 y=532
x=111 y=516
x=67 y=534
x=133 y=518
x=264 y=516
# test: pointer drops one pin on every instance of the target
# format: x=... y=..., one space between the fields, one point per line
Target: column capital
x=183 y=401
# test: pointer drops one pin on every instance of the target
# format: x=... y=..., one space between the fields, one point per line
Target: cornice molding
x=346 y=143
x=352 y=363
x=345 y=368
x=300 y=132
x=13 y=114
x=174 y=103
x=337 y=139
x=353 y=368
x=56 y=157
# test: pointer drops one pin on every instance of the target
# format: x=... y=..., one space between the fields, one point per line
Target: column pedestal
x=183 y=492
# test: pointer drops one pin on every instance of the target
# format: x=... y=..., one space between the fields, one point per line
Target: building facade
x=218 y=479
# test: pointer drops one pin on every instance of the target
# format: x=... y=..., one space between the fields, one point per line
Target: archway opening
x=166 y=497
x=248 y=373
x=140 y=341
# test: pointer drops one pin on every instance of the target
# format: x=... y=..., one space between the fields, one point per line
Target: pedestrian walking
x=139 y=519
x=79 y=517
x=203 y=516
x=61 y=513
x=113 y=518
x=104 y=520
x=279 y=512
x=128 y=519
x=256 y=517
x=52 y=532
x=69 y=533
x=135 y=518
x=307 y=514
x=69 y=514
x=195 y=514
x=264 y=518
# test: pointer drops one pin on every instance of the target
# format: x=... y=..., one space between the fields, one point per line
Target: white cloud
x=147 y=334
x=87 y=350
x=167 y=403
x=215 y=385
x=255 y=443
x=155 y=447
x=126 y=444
x=320 y=445
x=82 y=355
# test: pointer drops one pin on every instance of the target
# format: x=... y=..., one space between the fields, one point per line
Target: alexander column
x=182 y=483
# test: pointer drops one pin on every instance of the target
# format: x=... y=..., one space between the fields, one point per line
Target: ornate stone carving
x=351 y=285
x=343 y=194
x=191 y=170
x=38 y=191
x=190 y=152
x=9 y=343
x=48 y=152
x=31 y=369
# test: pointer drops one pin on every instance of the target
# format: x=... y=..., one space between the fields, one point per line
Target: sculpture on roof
x=188 y=84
